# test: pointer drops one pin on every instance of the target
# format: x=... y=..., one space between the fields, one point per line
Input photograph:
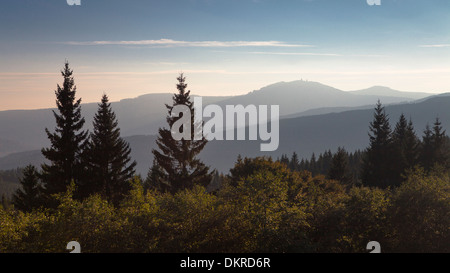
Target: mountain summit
x=299 y=96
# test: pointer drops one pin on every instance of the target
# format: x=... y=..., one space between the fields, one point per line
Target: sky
x=223 y=47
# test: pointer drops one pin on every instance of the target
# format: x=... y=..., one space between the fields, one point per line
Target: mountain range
x=315 y=117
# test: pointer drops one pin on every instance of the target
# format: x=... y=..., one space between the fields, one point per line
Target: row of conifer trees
x=389 y=157
x=95 y=163
x=100 y=162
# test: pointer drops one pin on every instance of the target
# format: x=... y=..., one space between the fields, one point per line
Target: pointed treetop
x=105 y=98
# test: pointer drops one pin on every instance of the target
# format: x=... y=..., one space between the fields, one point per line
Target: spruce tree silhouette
x=67 y=142
x=107 y=158
x=177 y=159
x=377 y=167
x=28 y=196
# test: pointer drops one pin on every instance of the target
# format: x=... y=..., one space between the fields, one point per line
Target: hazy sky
x=224 y=47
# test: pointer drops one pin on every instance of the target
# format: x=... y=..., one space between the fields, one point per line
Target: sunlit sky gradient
x=224 y=47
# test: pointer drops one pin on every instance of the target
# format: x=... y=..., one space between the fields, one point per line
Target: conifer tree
x=426 y=149
x=356 y=161
x=178 y=158
x=294 y=164
x=156 y=179
x=340 y=169
x=435 y=147
x=412 y=145
x=28 y=196
x=284 y=159
x=108 y=162
x=303 y=164
x=404 y=149
x=327 y=159
x=440 y=142
x=67 y=142
x=377 y=169
x=216 y=182
x=399 y=133
x=313 y=164
x=320 y=164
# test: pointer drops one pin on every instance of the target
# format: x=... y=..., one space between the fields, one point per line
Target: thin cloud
x=296 y=53
x=436 y=46
x=175 y=43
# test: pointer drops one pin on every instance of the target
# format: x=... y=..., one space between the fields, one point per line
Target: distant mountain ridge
x=299 y=96
x=23 y=130
x=388 y=92
x=305 y=135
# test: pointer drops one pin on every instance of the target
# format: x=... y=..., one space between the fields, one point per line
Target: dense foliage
x=267 y=209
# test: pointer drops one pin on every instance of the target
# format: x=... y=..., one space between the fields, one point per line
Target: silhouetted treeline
x=391 y=153
x=11 y=176
x=9 y=182
x=349 y=162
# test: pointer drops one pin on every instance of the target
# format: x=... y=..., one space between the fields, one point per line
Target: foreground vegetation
x=261 y=207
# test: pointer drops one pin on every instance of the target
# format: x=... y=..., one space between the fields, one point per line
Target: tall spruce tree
x=377 y=168
x=404 y=149
x=177 y=159
x=108 y=163
x=67 y=142
x=28 y=196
